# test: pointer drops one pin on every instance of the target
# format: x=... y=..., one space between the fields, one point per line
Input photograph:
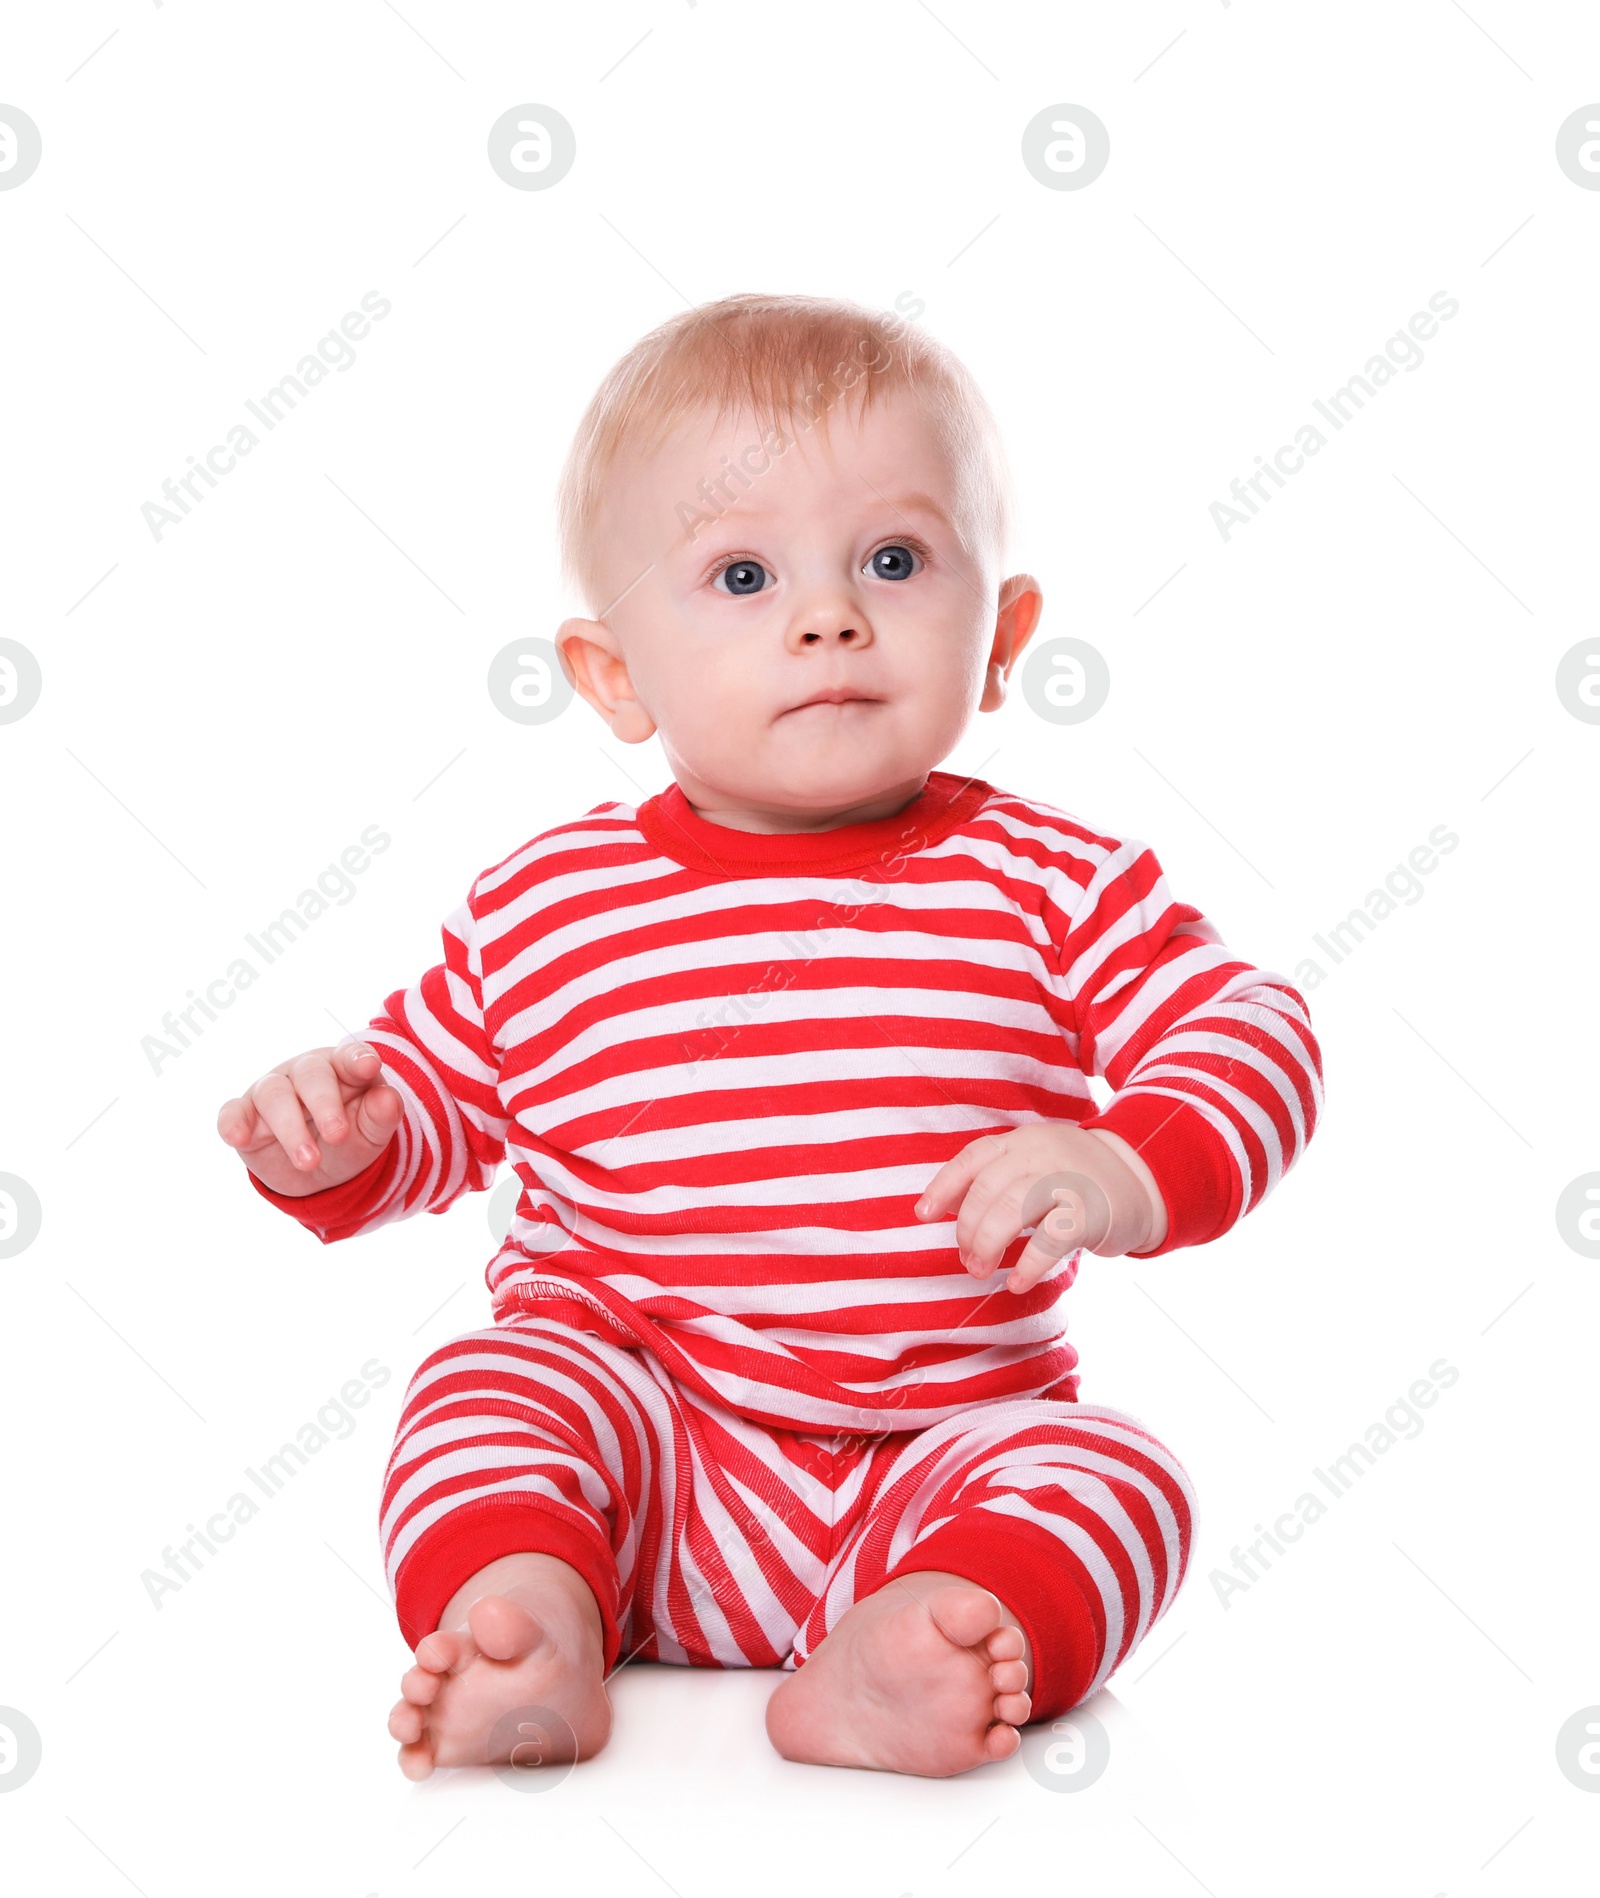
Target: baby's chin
x=848 y=754
x=816 y=762
x=819 y=788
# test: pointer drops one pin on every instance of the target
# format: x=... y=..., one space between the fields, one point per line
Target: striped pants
x=715 y=1541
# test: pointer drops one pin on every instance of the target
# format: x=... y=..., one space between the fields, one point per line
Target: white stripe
x=860 y=1068
x=744 y=1008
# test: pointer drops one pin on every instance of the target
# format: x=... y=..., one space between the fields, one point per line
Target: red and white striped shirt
x=725 y=1065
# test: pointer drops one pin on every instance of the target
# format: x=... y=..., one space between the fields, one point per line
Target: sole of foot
x=456 y=1704
x=916 y=1679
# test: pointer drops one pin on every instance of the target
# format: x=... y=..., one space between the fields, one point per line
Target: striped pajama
x=735 y=1380
x=717 y=1541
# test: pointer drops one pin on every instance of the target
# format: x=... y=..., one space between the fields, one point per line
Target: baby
x=790 y=1060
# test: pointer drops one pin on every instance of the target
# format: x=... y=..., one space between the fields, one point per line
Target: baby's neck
x=769 y=820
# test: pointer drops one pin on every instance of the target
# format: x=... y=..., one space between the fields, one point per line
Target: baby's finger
x=279 y=1106
x=949 y=1185
x=318 y=1087
x=378 y=1113
x=357 y=1065
x=993 y=1236
x=1034 y=1262
x=1070 y=1223
x=991 y=1214
x=238 y=1123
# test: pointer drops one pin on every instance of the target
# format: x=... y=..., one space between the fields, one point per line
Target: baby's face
x=820 y=644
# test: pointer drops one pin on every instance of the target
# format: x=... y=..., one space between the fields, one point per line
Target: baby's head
x=788 y=517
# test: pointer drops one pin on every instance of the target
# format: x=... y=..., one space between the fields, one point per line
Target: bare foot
x=524 y=1633
x=927 y=1676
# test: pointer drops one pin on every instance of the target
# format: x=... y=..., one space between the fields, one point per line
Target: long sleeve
x=1218 y=1077
x=437 y=1053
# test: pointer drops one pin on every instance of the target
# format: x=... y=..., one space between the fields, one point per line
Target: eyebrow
x=897 y=504
x=915 y=499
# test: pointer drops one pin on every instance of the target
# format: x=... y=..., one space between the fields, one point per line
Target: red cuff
x=1043 y=1584
x=1201 y=1186
x=452 y=1550
x=338 y=1212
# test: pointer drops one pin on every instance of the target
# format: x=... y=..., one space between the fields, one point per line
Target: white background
x=1293 y=711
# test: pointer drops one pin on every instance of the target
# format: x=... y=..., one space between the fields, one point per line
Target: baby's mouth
x=835 y=699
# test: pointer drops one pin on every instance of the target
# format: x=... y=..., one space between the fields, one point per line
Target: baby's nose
x=834 y=623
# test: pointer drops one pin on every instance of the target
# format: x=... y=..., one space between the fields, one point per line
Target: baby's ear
x=567 y=626
x=994 y=688
x=1017 y=613
x=591 y=657
x=1020 y=606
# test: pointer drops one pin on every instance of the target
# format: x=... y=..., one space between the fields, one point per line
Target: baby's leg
x=1039 y=1541
x=510 y=1525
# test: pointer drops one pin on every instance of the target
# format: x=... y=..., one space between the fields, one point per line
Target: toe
x=503 y=1630
x=440 y=1652
x=416 y=1762
x=405 y=1723
x=1009 y=1677
x=1005 y=1644
x=421 y=1685
x=964 y=1615
x=1015 y=1709
x=1001 y=1742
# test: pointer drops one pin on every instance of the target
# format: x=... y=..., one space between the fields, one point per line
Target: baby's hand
x=337 y=1093
x=1073 y=1185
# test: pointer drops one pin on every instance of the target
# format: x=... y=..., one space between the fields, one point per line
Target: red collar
x=943 y=805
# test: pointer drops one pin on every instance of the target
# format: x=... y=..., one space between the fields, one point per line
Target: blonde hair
x=779 y=357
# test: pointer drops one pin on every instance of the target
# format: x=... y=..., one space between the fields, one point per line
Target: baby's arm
x=1218 y=1085
x=1217 y=1074
x=404 y=1120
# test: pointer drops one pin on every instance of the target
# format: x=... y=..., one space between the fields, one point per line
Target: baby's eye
x=893 y=563
x=744 y=576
